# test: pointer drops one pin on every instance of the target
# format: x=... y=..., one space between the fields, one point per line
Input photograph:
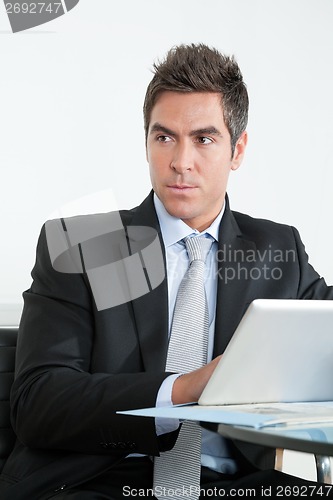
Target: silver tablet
x=282 y=351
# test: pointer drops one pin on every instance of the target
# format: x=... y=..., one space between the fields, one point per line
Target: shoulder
x=83 y=227
x=111 y=221
x=247 y=221
x=63 y=240
x=263 y=229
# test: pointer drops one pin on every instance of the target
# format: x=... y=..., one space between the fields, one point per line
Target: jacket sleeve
x=57 y=402
x=311 y=285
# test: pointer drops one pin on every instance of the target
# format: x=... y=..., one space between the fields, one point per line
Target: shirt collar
x=174 y=229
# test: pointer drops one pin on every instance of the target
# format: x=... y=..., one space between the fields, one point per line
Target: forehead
x=190 y=108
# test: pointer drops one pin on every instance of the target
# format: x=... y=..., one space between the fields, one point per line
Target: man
x=79 y=361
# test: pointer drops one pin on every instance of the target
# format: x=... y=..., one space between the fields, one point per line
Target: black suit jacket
x=76 y=365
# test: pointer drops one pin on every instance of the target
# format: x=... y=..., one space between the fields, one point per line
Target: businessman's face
x=189 y=155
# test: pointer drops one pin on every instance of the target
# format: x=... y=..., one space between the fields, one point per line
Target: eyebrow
x=211 y=130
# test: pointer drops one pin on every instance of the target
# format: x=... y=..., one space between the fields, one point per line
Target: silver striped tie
x=177 y=472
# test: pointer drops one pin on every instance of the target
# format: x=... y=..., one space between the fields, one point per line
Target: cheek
x=152 y=157
x=152 y=172
x=156 y=170
x=148 y=154
x=158 y=162
x=217 y=177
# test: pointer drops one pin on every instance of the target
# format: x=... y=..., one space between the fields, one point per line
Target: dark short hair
x=199 y=68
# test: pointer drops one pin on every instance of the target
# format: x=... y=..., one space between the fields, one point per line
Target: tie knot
x=197 y=247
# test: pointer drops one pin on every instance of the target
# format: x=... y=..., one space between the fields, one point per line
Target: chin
x=180 y=213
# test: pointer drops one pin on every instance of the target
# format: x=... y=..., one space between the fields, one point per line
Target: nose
x=182 y=159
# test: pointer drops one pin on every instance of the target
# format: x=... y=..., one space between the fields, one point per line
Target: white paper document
x=251 y=415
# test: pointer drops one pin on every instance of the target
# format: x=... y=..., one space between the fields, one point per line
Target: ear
x=239 y=151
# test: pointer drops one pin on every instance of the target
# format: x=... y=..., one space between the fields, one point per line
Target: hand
x=188 y=387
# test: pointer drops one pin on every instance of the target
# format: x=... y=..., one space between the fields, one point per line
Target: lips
x=181 y=187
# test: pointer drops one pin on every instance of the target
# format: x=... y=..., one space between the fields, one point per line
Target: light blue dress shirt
x=214 y=449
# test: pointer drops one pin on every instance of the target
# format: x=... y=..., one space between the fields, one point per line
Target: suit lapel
x=151 y=310
x=232 y=290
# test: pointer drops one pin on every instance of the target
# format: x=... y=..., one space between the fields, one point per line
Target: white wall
x=71 y=122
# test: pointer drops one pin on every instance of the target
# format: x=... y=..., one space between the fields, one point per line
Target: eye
x=163 y=138
x=204 y=140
